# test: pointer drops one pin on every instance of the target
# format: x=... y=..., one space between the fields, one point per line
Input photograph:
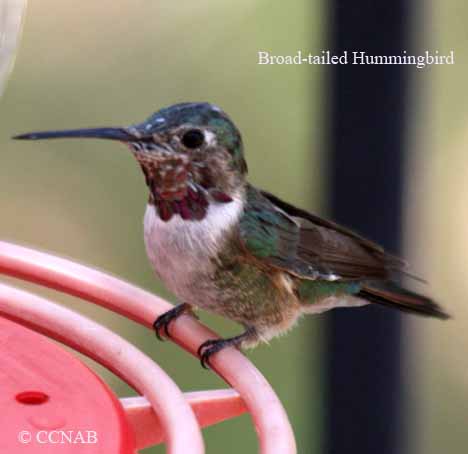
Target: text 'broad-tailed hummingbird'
x=220 y=244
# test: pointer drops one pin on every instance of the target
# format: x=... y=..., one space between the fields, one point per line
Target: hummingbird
x=220 y=244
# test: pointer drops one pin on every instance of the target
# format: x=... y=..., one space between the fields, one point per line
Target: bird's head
x=191 y=155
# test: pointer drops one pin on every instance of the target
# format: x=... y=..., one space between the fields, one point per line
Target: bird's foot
x=162 y=323
x=213 y=346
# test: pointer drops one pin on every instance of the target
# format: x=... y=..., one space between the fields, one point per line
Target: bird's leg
x=212 y=346
x=164 y=320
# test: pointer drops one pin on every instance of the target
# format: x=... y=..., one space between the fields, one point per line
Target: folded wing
x=286 y=237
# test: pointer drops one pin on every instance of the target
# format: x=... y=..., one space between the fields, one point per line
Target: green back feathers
x=264 y=230
x=315 y=291
x=273 y=237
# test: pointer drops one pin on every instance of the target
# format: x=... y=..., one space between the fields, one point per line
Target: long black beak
x=95 y=133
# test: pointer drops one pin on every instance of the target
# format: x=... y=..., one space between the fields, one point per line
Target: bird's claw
x=208 y=348
x=162 y=323
x=212 y=346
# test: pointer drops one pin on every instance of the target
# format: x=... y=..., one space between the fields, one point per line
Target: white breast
x=181 y=252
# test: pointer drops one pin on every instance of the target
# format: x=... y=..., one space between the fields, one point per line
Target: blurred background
x=115 y=62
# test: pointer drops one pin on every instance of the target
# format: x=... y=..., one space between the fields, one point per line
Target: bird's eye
x=193 y=138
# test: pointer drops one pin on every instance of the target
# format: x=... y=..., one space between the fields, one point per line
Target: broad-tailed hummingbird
x=220 y=244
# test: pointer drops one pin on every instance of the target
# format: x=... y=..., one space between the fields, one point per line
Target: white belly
x=182 y=252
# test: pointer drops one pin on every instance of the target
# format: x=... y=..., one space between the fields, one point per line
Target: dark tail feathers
x=390 y=294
